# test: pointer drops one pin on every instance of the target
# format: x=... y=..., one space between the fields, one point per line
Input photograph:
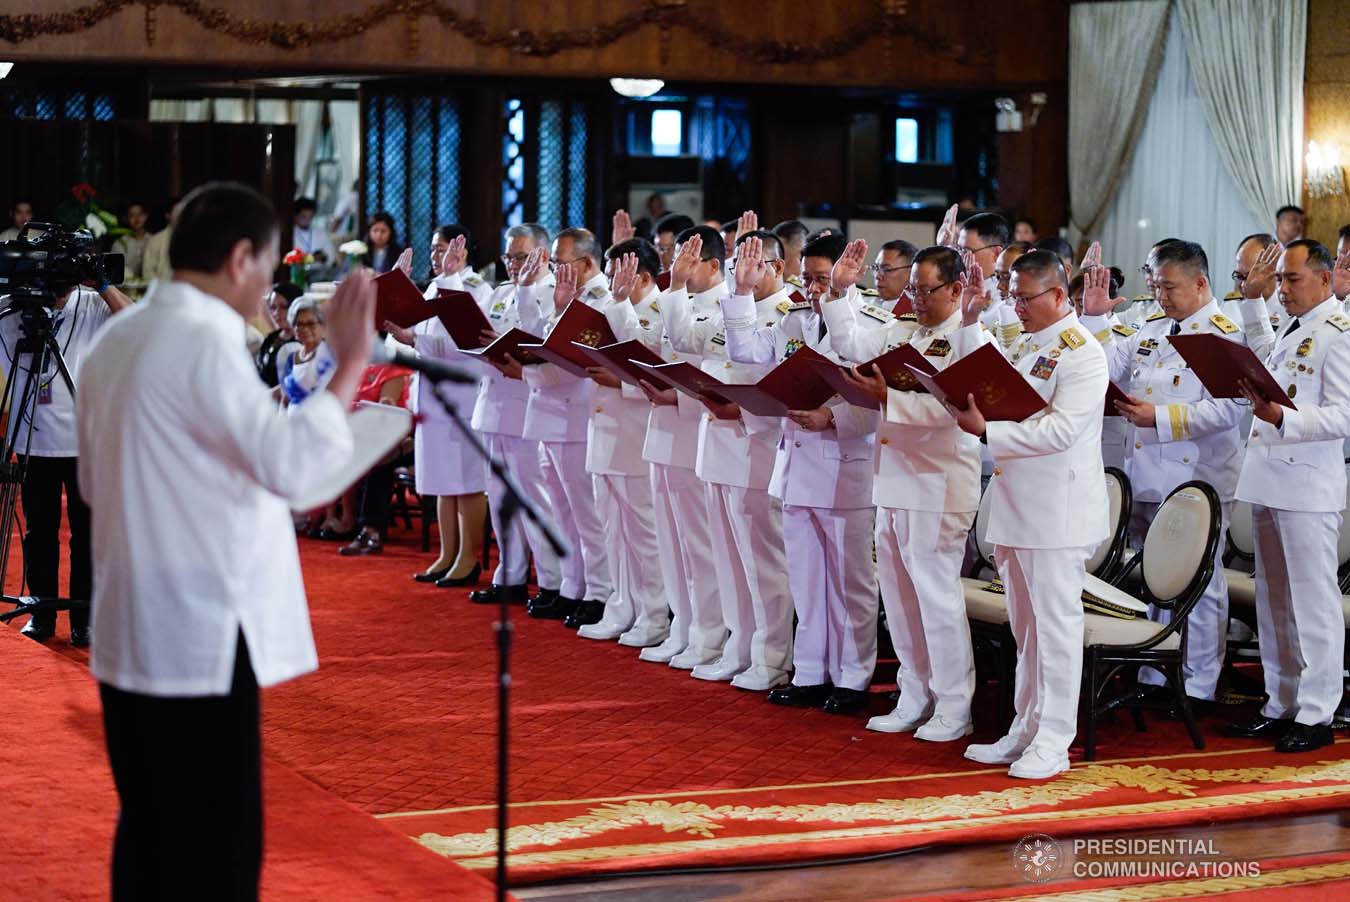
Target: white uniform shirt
x=1049 y=491
x=193 y=539
x=560 y=404
x=500 y=405
x=1299 y=466
x=314 y=239
x=53 y=409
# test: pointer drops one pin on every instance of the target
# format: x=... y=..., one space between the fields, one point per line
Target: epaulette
x=794 y=280
x=1123 y=330
x=1141 y=298
x=1102 y=335
x=1223 y=324
x=869 y=292
x=804 y=305
x=1233 y=296
x=783 y=306
x=597 y=292
x=473 y=279
x=1152 y=316
x=1339 y=321
x=1009 y=331
x=1072 y=339
x=876 y=313
x=913 y=317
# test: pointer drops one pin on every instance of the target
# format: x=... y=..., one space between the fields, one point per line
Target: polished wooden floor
x=940 y=870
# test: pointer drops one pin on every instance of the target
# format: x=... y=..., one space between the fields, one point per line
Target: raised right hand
x=848 y=269
x=688 y=257
x=535 y=266
x=351 y=319
x=1097 y=291
x=622 y=228
x=947 y=232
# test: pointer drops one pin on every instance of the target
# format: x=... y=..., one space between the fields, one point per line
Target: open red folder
x=892 y=366
x=619 y=359
x=795 y=384
x=513 y=342
x=1220 y=363
x=398 y=301
x=1000 y=391
x=579 y=324
x=687 y=379
x=1113 y=394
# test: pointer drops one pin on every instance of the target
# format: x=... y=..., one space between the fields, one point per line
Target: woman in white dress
x=446 y=466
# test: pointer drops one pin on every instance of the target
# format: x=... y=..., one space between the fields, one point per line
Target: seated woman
x=306 y=371
x=382 y=384
x=382 y=243
x=279 y=344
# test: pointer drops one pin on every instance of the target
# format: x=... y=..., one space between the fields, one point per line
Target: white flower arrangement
x=95 y=225
x=353 y=248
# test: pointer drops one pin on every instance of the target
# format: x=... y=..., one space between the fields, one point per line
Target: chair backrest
x=1118 y=497
x=1240 y=533
x=982 y=543
x=1179 y=547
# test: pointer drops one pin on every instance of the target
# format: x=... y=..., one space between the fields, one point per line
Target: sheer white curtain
x=345 y=117
x=180 y=110
x=1177 y=185
x=1247 y=60
x=308 y=124
x=1114 y=49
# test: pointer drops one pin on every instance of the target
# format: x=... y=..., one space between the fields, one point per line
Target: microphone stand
x=514 y=502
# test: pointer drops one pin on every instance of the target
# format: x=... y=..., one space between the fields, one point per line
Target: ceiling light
x=636 y=87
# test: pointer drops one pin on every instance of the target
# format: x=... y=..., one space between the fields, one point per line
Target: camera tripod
x=38 y=341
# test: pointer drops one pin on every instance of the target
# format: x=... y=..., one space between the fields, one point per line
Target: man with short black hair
x=665 y=235
x=305 y=235
x=891 y=272
x=1293 y=475
x=195 y=456
x=1290 y=222
x=20 y=214
x=1025 y=230
x=1048 y=510
x=792 y=233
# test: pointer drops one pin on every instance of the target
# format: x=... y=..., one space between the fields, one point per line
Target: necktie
x=821 y=336
x=1293 y=324
x=1176 y=328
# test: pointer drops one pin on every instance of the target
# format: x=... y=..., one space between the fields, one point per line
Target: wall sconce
x=636 y=87
x=1010 y=119
x=1323 y=172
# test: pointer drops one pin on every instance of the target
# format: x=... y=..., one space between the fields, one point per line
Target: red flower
x=295 y=256
x=83 y=192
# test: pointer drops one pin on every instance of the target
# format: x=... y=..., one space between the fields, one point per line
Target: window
x=906 y=140
x=545 y=163
x=667 y=133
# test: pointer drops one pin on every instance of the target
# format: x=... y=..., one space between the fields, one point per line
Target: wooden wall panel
x=1326 y=99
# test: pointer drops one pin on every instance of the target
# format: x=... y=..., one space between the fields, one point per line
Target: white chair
x=1176 y=563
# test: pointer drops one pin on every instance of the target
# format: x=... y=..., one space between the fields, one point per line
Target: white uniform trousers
x=834 y=591
x=1207 y=625
x=919 y=559
x=1044 y=588
x=625 y=506
x=585 y=571
x=687 y=569
x=516 y=543
x=1299 y=620
x=746 y=529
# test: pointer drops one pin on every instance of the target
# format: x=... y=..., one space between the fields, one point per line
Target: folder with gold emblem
x=619 y=359
x=1220 y=363
x=687 y=379
x=579 y=323
x=795 y=384
x=398 y=301
x=1001 y=392
x=893 y=367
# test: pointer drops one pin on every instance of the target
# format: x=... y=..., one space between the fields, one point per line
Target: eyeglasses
x=881 y=269
x=1239 y=277
x=921 y=292
x=1003 y=278
x=822 y=279
x=982 y=247
x=518 y=259
x=1024 y=299
x=554 y=264
x=306 y=324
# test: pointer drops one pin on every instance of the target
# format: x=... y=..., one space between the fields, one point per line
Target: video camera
x=47 y=260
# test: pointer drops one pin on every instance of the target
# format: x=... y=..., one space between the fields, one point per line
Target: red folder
x=795 y=384
x=581 y=324
x=515 y=342
x=1220 y=363
x=1113 y=394
x=893 y=367
x=687 y=379
x=619 y=359
x=398 y=301
x=462 y=317
x=1001 y=392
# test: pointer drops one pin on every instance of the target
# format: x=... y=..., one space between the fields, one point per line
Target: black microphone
x=434 y=370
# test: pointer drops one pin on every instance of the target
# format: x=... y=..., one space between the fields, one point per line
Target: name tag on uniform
x=1043 y=367
x=1147 y=345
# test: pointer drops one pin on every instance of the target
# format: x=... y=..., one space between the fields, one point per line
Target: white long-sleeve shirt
x=187 y=468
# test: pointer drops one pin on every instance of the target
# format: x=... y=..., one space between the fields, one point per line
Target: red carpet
x=59 y=807
x=623 y=765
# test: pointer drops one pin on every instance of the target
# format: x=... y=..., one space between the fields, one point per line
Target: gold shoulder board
x=869 y=292
x=1142 y=298
x=803 y=305
x=1122 y=330
x=1223 y=324
x=783 y=307
x=1152 y=317
x=1339 y=321
x=877 y=314
x=1233 y=296
x=794 y=280
x=1071 y=338
x=914 y=317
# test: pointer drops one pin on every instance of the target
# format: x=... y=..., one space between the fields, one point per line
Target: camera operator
x=50 y=464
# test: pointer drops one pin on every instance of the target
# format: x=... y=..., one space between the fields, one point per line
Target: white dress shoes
x=605 y=630
x=1039 y=764
x=693 y=657
x=940 y=728
x=759 y=679
x=900 y=720
x=718 y=671
x=644 y=635
x=1005 y=751
x=663 y=653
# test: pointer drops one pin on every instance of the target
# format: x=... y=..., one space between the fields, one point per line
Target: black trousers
x=377 y=494
x=41 y=493
x=189 y=776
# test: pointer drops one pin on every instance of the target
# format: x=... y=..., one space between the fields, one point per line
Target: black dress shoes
x=801 y=696
x=79 y=638
x=40 y=630
x=1259 y=727
x=366 y=542
x=495 y=594
x=845 y=701
x=431 y=577
x=1302 y=738
x=551 y=607
x=455 y=582
x=584 y=614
